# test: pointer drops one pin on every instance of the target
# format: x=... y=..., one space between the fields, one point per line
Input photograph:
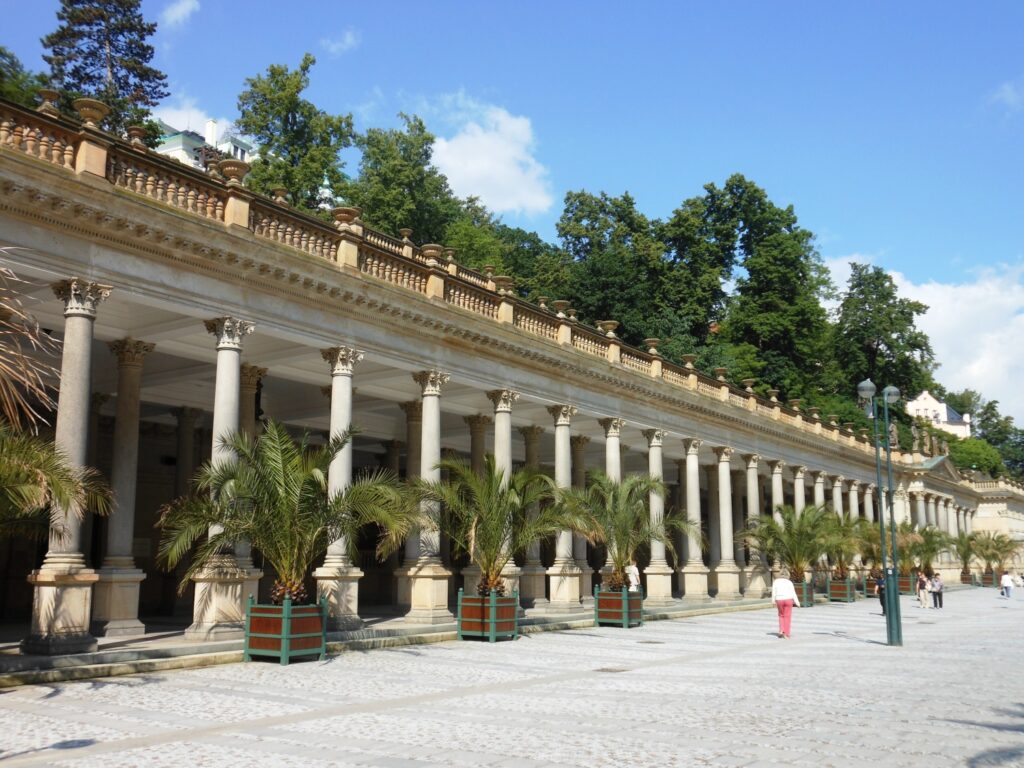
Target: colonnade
x=72 y=602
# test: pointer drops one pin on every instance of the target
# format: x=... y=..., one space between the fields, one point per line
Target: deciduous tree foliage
x=298 y=142
x=100 y=50
x=16 y=83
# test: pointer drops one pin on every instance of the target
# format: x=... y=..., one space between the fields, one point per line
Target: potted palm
x=274 y=494
x=843 y=537
x=796 y=541
x=615 y=515
x=489 y=517
x=995 y=549
x=931 y=542
x=870 y=556
x=908 y=540
x=963 y=547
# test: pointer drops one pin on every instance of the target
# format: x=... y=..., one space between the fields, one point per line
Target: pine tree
x=100 y=51
x=16 y=83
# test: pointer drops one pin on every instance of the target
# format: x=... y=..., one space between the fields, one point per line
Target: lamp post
x=866 y=391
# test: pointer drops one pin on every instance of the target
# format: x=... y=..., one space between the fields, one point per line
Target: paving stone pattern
x=719 y=690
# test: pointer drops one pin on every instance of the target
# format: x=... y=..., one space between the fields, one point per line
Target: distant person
x=784 y=597
x=924 y=586
x=1006 y=583
x=936 y=591
x=880 y=590
x=633 y=574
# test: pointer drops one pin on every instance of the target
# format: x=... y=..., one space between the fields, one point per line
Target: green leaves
x=795 y=540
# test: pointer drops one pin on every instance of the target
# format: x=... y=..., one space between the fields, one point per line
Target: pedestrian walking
x=924 y=586
x=880 y=590
x=936 y=591
x=784 y=597
x=1006 y=582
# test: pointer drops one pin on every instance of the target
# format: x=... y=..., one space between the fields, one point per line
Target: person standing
x=923 y=588
x=1006 y=582
x=880 y=590
x=936 y=591
x=784 y=597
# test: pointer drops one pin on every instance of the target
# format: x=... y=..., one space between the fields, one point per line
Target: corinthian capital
x=341 y=359
x=431 y=381
x=250 y=376
x=502 y=399
x=130 y=352
x=229 y=331
x=612 y=427
x=80 y=297
x=562 y=414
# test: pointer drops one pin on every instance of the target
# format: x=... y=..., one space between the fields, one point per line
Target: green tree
x=399 y=187
x=100 y=49
x=474 y=237
x=540 y=268
x=16 y=83
x=796 y=540
x=876 y=334
x=298 y=142
x=973 y=453
x=275 y=496
x=963 y=548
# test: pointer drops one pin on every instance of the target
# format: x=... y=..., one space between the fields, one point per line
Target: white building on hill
x=927 y=406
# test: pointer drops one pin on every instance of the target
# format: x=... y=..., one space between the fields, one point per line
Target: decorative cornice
x=80 y=297
x=562 y=414
x=341 y=359
x=431 y=382
x=229 y=331
x=612 y=426
x=502 y=399
x=130 y=352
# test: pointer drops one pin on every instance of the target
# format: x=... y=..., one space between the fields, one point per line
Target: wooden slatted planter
x=842 y=590
x=990 y=579
x=907 y=584
x=968 y=578
x=805 y=591
x=285 y=631
x=492 y=618
x=618 y=609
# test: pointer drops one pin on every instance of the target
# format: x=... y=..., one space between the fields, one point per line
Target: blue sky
x=895 y=129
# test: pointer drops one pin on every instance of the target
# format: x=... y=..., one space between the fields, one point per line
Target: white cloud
x=182 y=112
x=348 y=41
x=491 y=156
x=1010 y=94
x=975 y=327
x=178 y=12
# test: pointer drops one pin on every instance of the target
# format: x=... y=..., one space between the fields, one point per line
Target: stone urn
x=689 y=360
x=652 y=345
x=406 y=234
x=608 y=327
x=137 y=135
x=91 y=111
x=345 y=214
x=49 y=99
x=233 y=170
x=560 y=306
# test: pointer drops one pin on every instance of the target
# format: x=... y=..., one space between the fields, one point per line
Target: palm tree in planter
x=964 y=548
x=796 y=541
x=931 y=542
x=871 y=554
x=908 y=540
x=274 y=494
x=995 y=549
x=616 y=515
x=844 y=535
x=489 y=517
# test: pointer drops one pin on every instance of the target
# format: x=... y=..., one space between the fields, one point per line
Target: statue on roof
x=894 y=437
x=935 y=444
x=916 y=434
x=945 y=447
x=926 y=443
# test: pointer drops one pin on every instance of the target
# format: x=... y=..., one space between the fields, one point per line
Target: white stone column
x=819 y=489
x=580 y=553
x=920 y=516
x=799 y=489
x=477 y=424
x=757 y=574
x=62 y=586
x=837 y=494
x=932 y=516
x=338 y=578
x=612 y=448
x=428 y=576
x=725 y=575
x=948 y=525
x=853 y=499
x=250 y=377
x=219 y=607
x=532 y=579
x=563 y=575
x=503 y=400
x=869 y=503
x=693 y=572
x=778 y=489
x=658 y=573
x=115 y=608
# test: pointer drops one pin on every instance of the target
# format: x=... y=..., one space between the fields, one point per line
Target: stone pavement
x=717 y=690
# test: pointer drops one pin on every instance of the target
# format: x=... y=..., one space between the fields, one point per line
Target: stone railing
x=277 y=223
x=38 y=136
x=57 y=141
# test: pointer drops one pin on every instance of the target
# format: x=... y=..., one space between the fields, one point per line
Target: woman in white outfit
x=784 y=597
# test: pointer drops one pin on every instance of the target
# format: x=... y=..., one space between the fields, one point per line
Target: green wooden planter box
x=968 y=578
x=908 y=584
x=493 y=618
x=842 y=590
x=990 y=579
x=867 y=586
x=618 y=609
x=805 y=591
x=285 y=631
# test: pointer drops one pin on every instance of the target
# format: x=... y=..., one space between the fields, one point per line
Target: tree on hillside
x=876 y=334
x=100 y=50
x=540 y=268
x=16 y=83
x=298 y=142
x=398 y=186
x=989 y=425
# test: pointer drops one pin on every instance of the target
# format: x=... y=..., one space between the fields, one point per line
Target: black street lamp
x=866 y=391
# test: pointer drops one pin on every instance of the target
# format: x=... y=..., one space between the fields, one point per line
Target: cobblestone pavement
x=718 y=690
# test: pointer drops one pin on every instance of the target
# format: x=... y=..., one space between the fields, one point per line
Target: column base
x=756 y=580
x=218 y=612
x=726 y=578
x=340 y=585
x=532 y=583
x=564 y=590
x=115 y=602
x=659 y=585
x=586 y=582
x=61 y=607
x=428 y=593
x=694 y=577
